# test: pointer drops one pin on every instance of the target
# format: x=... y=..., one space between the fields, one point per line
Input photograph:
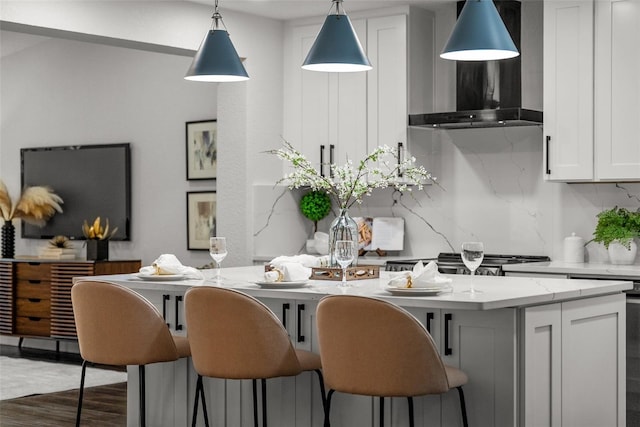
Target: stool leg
x=410 y=399
x=322 y=391
x=381 y=411
x=195 y=404
x=204 y=404
x=264 y=402
x=463 y=407
x=255 y=402
x=84 y=370
x=327 y=408
x=143 y=421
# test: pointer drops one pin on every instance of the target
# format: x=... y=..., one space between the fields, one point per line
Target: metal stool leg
x=463 y=407
x=264 y=402
x=327 y=408
x=84 y=370
x=410 y=400
x=255 y=402
x=200 y=394
x=322 y=391
x=204 y=404
x=381 y=411
x=143 y=415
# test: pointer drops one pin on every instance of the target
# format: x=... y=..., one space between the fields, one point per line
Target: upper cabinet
x=592 y=90
x=332 y=117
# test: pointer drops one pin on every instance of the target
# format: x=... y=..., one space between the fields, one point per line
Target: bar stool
x=117 y=326
x=234 y=336
x=374 y=348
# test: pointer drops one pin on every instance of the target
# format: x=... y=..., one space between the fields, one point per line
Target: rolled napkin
x=167 y=264
x=287 y=272
x=309 y=261
x=420 y=277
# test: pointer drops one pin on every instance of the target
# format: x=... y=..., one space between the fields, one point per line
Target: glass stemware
x=472 y=256
x=218 y=251
x=344 y=253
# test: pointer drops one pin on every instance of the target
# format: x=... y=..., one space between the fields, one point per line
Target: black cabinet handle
x=429 y=319
x=300 y=310
x=547 y=155
x=33 y=263
x=331 y=150
x=399 y=159
x=178 y=301
x=34 y=299
x=322 y=160
x=35 y=319
x=165 y=298
x=35 y=282
x=447 y=349
x=285 y=308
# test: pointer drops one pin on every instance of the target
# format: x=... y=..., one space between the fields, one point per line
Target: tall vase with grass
x=36 y=206
x=348 y=184
x=617 y=229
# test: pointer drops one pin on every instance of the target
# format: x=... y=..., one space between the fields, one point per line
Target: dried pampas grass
x=35 y=206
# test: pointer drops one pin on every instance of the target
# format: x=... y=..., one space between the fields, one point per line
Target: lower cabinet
x=561 y=343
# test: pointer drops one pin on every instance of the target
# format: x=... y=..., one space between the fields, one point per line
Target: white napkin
x=288 y=272
x=420 y=277
x=309 y=261
x=169 y=264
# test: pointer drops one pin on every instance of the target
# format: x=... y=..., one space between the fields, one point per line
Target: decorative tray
x=358 y=272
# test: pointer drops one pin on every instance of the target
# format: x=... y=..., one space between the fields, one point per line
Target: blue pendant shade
x=217 y=59
x=337 y=48
x=479 y=35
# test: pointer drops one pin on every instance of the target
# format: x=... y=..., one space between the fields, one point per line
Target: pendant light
x=217 y=59
x=337 y=48
x=479 y=35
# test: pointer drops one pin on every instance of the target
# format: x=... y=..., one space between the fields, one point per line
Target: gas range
x=451 y=263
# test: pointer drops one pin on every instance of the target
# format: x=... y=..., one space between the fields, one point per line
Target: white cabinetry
x=334 y=116
x=591 y=90
x=562 y=344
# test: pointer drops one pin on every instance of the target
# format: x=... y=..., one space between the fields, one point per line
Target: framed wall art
x=201 y=218
x=202 y=149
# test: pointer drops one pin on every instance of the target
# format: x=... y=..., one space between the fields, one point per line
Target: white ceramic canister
x=574 y=249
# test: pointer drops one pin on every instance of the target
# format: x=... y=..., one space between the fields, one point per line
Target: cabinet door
x=593 y=335
x=7 y=295
x=568 y=90
x=483 y=345
x=617 y=85
x=387 y=81
x=542 y=366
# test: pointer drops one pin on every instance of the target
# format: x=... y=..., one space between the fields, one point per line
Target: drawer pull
x=35 y=282
x=300 y=310
x=34 y=299
x=35 y=319
x=34 y=263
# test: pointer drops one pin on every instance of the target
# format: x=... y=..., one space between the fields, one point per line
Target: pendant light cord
x=217 y=19
x=338 y=5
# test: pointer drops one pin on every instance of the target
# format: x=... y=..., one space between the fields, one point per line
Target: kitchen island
x=537 y=352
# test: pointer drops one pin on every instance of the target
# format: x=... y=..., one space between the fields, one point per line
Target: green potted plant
x=315 y=205
x=616 y=230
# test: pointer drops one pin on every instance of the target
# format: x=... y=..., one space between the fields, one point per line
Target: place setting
x=420 y=281
x=167 y=268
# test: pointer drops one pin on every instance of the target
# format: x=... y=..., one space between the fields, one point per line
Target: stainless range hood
x=488 y=93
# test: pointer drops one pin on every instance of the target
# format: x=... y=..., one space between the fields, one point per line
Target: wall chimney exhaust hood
x=488 y=93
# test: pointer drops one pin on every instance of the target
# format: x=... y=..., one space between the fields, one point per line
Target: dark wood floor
x=103 y=406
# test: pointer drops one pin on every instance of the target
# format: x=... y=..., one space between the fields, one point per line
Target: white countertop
x=627 y=272
x=498 y=292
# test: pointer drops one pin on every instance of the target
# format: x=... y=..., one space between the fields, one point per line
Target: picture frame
x=201 y=143
x=201 y=219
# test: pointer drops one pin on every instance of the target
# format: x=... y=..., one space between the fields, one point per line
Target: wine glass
x=344 y=255
x=472 y=255
x=218 y=251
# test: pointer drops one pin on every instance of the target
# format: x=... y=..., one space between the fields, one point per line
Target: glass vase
x=343 y=228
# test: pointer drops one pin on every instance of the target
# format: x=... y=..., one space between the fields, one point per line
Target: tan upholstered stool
x=234 y=336
x=401 y=357
x=117 y=326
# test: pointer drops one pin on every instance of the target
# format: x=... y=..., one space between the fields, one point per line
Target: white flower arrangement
x=349 y=184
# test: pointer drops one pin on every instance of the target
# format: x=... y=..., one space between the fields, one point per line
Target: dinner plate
x=414 y=291
x=160 y=277
x=282 y=285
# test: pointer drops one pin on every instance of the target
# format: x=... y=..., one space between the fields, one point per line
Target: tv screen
x=93 y=180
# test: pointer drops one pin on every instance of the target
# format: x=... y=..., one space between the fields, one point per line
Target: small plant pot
x=620 y=255
x=97 y=250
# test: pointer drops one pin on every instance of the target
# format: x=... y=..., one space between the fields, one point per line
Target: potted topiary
x=616 y=230
x=315 y=205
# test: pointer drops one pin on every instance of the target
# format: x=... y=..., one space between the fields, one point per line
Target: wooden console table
x=35 y=294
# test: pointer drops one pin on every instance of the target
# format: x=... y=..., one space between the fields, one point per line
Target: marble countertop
x=497 y=292
x=627 y=272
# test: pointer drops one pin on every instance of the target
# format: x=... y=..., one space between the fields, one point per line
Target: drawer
x=33 y=326
x=33 y=270
x=33 y=289
x=33 y=307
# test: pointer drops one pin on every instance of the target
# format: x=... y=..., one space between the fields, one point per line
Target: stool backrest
x=117 y=326
x=233 y=335
x=375 y=348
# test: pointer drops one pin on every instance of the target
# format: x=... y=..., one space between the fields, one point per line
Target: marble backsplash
x=490 y=188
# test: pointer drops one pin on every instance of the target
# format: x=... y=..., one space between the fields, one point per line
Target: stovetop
x=451 y=263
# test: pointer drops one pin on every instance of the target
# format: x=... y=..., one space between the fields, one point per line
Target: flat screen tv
x=93 y=180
